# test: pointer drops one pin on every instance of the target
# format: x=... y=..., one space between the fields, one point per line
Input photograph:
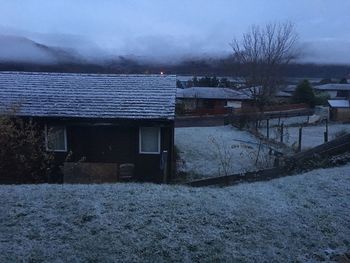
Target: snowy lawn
x=210 y=151
x=299 y=218
x=312 y=135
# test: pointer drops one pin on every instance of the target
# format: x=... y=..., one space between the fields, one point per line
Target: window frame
x=140 y=140
x=47 y=139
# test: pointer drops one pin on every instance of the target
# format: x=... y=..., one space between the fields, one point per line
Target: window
x=56 y=138
x=149 y=140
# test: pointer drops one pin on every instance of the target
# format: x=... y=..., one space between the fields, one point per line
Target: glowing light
x=161 y=73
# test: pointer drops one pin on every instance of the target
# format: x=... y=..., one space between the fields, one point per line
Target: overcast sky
x=175 y=28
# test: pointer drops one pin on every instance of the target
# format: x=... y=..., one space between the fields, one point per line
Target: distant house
x=289 y=88
x=339 y=110
x=100 y=127
x=208 y=100
x=280 y=95
x=335 y=90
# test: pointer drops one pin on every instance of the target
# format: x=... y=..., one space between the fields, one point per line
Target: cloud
x=327 y=51
x=168 y=29
x=20 y=49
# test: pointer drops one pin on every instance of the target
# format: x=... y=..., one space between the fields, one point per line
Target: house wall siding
x=341 y=114
x=117 y=144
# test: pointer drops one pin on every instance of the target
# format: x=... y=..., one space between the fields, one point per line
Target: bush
x=180 y=108
x=304 y=94
x=322 y=98
x=343 y=81
x=23 y=158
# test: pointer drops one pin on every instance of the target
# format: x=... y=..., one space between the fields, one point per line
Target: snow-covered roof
x=89 y=95
x=333 y=87
x=283 y=94
x=339 y=103
x=211 y=93
x=258 y=89
x=290 y=88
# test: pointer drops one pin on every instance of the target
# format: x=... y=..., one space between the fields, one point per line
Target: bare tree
x=262 y=53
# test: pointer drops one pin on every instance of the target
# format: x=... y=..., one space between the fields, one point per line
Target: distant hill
x=23 y=54
x=15 y=49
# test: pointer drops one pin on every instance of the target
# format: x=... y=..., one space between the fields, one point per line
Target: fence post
x=282 y=128
x=326 y=132
x=300 y=137
x=279 y=119
x=164 y=166
x=268 y=129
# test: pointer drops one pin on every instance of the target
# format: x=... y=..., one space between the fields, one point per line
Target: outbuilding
x=339 y=110
x=209 y=100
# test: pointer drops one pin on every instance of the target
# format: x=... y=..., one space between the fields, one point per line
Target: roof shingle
x=211 y=93
x=89 y=95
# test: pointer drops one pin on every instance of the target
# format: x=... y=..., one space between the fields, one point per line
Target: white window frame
x=140 y=141
x=47 y=140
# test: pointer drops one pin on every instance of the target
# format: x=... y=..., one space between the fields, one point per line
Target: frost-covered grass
x=312 y=135
x=203 y=148
x=304 y=217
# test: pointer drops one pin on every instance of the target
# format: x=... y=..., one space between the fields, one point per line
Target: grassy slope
x=301 y=217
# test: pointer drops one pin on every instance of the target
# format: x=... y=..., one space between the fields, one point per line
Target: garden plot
x=312 y=136
x=213 y=151
x=303 y=218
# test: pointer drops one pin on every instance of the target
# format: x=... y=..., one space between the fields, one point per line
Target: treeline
x=206 y=82
x=198 y=67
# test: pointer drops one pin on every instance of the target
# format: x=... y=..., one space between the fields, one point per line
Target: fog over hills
x=18 y=49
x=168 y=32
x=25 y=54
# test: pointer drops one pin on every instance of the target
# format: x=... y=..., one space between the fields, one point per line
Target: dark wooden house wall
x=116 y=143
x=340 y=114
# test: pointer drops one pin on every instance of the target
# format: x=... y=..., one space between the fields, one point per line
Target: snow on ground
x=210 y=151
x=303 y=218
x=312 y=135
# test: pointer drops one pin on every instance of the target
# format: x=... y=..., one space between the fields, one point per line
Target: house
x=99 y=127
x=208 y=100
x=339 y=110
x=335 y=90
x=279 y=95
x=289 y=88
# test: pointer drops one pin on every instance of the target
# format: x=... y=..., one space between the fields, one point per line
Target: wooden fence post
x=164 y=166
x=282 y=128
x=300 y=137
x=268 y=129
x=326 y=132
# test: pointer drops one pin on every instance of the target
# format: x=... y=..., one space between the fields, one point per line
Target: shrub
x=304 y=94
x=23 y=158
x=322 y=98
x=343 y=81
x=180 y=108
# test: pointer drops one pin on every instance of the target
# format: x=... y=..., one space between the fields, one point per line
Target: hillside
x=304 y=217
x=18 y=51
x=24 y=54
